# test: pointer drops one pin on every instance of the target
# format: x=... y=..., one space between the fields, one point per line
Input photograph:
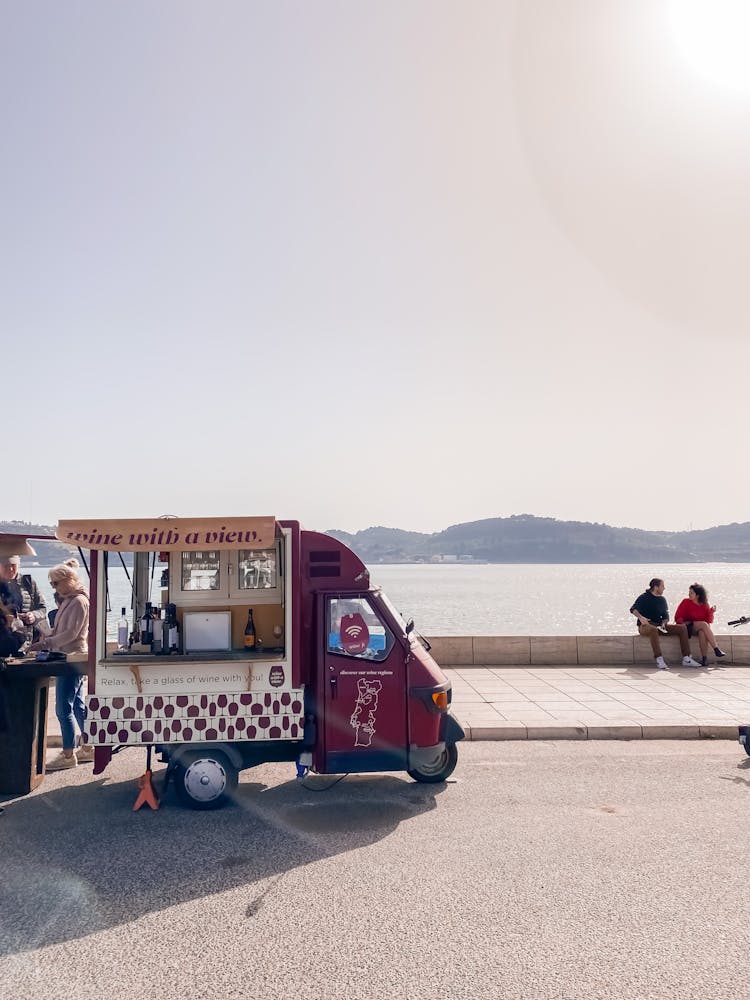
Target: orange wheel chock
x=147 y=794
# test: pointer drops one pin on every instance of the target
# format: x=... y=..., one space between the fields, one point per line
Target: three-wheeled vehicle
x=275 y=647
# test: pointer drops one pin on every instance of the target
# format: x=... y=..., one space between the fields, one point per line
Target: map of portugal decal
x=355 y=636
x=365 y=712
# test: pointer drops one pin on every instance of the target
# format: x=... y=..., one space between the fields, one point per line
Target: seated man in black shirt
x=652 y=613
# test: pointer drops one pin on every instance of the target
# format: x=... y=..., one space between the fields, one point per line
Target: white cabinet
x=207 y=630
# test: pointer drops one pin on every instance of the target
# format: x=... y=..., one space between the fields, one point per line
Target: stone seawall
x=572 y=650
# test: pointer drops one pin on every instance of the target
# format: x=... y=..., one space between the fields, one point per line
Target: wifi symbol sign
x=355 y=635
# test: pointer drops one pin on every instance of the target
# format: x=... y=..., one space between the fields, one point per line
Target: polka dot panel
x=194 y=705
x=127 y=731
x=193 y=718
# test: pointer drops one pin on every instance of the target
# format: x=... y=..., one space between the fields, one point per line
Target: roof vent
x=327 y=563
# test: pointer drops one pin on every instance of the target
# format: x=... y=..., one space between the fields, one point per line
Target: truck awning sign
x=15 y=545
x=144 y=535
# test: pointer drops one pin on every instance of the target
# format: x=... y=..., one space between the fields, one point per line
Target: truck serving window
x=256 y=569
x=200 y=571
x=355 y=629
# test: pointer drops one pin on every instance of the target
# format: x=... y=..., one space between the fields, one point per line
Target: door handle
x=333 y=681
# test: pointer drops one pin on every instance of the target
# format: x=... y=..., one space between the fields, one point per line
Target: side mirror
x=410 y=626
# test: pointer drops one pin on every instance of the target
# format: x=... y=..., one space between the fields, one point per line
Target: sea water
x=451 y=599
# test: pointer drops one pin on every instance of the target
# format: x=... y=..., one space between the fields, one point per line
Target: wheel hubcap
x=436 y=765
x=205 y=780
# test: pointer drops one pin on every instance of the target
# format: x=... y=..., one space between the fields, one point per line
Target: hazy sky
x=400 y=262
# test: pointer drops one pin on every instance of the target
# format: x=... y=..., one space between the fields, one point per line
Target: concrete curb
x=625 y=731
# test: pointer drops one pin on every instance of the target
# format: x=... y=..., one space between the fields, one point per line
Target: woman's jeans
x=69 y=707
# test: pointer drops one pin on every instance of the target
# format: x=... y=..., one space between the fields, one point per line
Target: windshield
x=396 y=614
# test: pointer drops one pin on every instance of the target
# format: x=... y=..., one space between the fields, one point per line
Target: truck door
x=365 y=689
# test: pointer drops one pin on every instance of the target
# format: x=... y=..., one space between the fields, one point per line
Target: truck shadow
x=77 y=860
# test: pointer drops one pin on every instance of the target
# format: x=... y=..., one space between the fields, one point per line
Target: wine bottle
x=165 y=630
x=250 y=631
x=147 y=628
x=171 y=639
x=157 y=631
x=122 y=632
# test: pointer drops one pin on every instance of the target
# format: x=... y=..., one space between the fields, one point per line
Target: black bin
x=23 y=744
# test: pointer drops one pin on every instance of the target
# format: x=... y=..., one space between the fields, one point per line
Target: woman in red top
x=695 y=612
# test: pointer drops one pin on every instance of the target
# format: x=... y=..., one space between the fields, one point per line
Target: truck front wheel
x=205 y=779
x=438 y=769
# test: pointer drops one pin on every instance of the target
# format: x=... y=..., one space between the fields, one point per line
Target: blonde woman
x=70 y=635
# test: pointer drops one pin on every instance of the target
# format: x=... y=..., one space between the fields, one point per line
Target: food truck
x=274 y=647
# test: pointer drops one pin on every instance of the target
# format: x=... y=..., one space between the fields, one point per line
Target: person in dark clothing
x=652 y=612
x=12 y=637
x=20 y=594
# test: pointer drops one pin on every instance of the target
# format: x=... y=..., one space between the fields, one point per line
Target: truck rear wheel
x=438 y=769
x=205 y=779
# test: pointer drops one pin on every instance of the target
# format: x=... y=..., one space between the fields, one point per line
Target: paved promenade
x=612 y=702
x=596 y=703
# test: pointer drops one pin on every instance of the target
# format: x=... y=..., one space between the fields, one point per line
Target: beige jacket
x=70 y=634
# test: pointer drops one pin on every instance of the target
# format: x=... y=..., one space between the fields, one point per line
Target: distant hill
x=524 y=538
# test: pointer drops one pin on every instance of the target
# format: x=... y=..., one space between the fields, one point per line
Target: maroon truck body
x=350 y=687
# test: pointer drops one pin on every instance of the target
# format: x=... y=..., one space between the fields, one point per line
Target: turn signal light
x=441 y=700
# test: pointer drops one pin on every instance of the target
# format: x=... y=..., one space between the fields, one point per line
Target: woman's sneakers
x=61 y=762
x=83 y=754
x=661 y=663
x=718 y=653
x=688 y=661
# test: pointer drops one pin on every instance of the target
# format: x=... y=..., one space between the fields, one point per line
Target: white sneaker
x=688 y=661
x=85 y=754
x=661 y=663
x=61 y=762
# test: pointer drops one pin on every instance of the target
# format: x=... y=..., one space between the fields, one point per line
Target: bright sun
x=714 y=37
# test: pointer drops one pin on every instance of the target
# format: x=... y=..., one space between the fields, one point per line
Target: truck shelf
x=271 y=653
